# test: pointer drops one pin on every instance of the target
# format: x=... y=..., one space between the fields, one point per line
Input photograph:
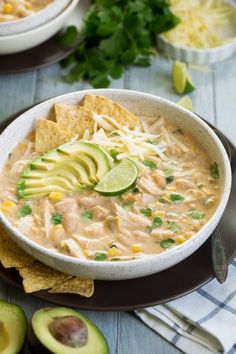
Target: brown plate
x=170 y=284
x=36 y=58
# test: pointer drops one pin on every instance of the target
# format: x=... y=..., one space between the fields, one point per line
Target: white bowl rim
x=42 y=27
x=160 y=256
x=24 y=19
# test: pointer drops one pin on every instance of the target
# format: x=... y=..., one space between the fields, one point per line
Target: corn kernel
x=159 y=213
x=180 y=239
x=112 y=252
x=172 y=189
x=55 y=196
x=189 y=234
x=184 y=221
x=8 y=9
x=136 y=248
x=28 y=6
x=86 y=253
x=7 y=206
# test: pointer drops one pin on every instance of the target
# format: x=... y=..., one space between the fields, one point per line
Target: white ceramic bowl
x=203 y=56
x=35 y=20
x=141 y=104
x=26 y=40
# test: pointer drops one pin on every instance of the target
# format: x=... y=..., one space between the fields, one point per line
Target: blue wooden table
x=214 y=99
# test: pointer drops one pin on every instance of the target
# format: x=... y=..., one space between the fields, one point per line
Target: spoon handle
x=219 y=260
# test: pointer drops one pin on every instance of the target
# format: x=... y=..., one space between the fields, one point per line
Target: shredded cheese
x=135 y=144
x=202 y=23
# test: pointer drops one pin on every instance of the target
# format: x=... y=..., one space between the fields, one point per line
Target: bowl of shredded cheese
x=206 y=33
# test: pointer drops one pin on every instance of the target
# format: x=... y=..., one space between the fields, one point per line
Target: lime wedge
x=181 y=78
x=186 y=102
x=118 y=180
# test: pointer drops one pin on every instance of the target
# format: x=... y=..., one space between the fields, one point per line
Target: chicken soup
x=96 y=182
x=12 y=10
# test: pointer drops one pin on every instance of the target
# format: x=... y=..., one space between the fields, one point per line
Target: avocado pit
x=69 y=330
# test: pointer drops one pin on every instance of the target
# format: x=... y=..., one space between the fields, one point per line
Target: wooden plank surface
x=214 y=99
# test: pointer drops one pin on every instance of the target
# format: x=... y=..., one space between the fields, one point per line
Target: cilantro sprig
x=24 y=211
x=115 y=34
x=56 y=218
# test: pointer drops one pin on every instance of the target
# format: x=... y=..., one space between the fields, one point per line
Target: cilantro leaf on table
x=115 y=34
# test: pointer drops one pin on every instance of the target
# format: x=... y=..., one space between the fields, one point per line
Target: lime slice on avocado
x=186 y=102
x=181 y=78
x=118 y=180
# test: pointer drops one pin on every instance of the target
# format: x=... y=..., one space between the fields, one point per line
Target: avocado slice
x=13 y=328
x=61 y=330
x=69 y=168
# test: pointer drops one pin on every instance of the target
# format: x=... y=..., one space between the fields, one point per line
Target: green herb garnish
x=157 y=222
x=167 y=243
x=20 y=189
x=128 y=205
x=175 y=198
x=173 y=226
x=56 y=218
x=151 y=164
x=115 y=34
x=196 y=214
x=87 y=215
x=170 y=179
x=136 y=190
x=9 y=155
x=214 y=171
x=100 y=256
x=146 y=211
x=114 y=153
x=24 y=211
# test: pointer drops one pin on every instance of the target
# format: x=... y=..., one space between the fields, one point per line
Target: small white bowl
x=141 y=104
x=26 y=40
x=202 y=56
x=35 y=20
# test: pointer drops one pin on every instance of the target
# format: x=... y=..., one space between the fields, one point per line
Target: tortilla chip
x=11 y=255
x=38 y=276
x=50 y=135
x=75 y=119
x=103 y=105
x=83 y=287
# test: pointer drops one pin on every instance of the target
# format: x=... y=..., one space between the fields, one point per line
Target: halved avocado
x=69 y=168
x=13 y=328
x=61 y=330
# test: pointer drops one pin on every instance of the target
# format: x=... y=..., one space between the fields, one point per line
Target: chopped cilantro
x=214 y=171
x=157 y=222
x=146 y=211
x=24 y=211
x=114 y=153
x=151 y=164
x=56 y=218
x=128 y=205
x=87 y=215
x=116 y=34
x=175 y=198
x=167 y=243
x=20 y=189
x=10 y=155
x=169 y=179
x=100 y=256
x=196 y=214
x=173 y=226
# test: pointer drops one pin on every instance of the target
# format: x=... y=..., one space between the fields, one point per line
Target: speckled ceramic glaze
x=26 y=40
x=33 y=21
x=141 y=104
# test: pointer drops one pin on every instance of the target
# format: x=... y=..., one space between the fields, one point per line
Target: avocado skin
x=22 y=326
x=36 y=347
